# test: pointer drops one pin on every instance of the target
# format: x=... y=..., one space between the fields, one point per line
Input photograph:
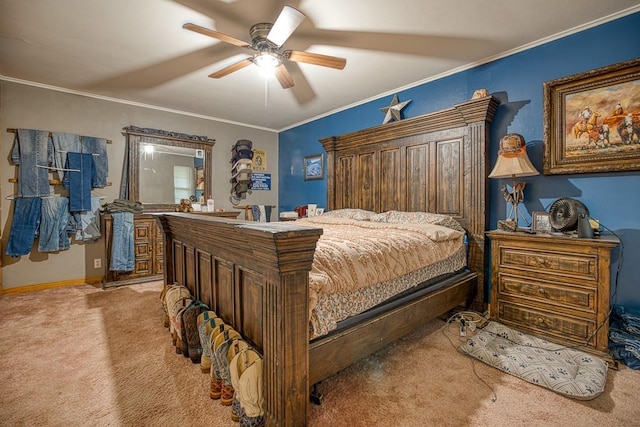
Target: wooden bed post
x=285 y=259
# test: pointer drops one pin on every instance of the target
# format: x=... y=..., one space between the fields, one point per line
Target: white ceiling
x=137 y=51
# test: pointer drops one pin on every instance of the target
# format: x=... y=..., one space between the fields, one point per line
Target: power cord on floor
x=471 y=321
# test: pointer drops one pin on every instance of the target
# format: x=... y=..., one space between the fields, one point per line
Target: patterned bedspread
x=363 y=263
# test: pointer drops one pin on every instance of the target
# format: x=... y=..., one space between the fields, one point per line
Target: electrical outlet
x=97 y=263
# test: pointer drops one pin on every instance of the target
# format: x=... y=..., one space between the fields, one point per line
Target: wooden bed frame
x=255 y=275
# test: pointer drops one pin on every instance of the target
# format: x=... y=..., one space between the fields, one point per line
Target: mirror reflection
x=168 y=174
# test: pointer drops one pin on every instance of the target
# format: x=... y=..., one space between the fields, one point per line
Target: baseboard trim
x=51 y=285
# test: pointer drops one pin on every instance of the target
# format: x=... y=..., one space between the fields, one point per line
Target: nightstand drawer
x=561 y=295
x=554 y=287
x=582 y=266
x=547 y=323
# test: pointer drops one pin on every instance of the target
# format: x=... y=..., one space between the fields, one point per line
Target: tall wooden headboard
x=435 y=162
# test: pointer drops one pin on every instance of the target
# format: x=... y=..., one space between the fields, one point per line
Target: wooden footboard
x=256 y=277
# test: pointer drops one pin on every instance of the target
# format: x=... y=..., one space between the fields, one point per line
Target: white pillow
x=351 y=213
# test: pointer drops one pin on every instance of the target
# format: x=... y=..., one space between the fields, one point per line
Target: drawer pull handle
x=540 y=322
x=541 y=290
x=540 y=262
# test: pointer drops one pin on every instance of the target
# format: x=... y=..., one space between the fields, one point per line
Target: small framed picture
x=319 y=211
x=540 y=222
x=314 y=167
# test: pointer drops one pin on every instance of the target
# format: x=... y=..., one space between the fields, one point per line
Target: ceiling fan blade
x=156 y=74
x=283 y=76
x=316 y=59
x=231 y=68
x=302 y=91
x=285 y=25
x=215 y=34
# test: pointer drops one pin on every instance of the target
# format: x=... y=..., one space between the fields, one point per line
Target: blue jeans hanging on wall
x=86 y=225
x=64 y=143
x=33 y=151
x=26 y=219
x=53 y=235
x=79 y=178
x=97 y=147
x=122 y=245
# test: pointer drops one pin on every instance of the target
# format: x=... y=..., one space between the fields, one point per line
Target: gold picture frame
x=592 y=121
x=540 y=222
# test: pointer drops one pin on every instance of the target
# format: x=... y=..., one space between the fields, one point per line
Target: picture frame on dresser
x=592 y=121
x=540 y=222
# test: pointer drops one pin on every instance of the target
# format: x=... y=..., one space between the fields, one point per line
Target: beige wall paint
x=30 y=107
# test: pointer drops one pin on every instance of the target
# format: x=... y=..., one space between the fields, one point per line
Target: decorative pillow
x=350 y=213
x=396 y=217
x=566 y=371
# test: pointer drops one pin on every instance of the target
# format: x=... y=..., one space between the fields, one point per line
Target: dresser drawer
x=546 y=292
x=579 y=266
x=547 y=323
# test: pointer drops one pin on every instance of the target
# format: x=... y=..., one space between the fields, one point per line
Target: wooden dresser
x=555 y=287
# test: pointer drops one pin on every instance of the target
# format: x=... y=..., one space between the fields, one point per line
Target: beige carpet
x=84 y=356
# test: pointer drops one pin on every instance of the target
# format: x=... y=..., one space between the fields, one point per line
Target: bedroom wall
x=517 y=81
x=23 y=106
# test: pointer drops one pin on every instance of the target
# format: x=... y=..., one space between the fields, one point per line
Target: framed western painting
x=592 y=121
x=313 y=167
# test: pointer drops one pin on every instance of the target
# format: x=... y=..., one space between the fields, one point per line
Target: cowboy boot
x=204 y=329
x=233 y=355
x=179 y=308
x=226 y=352
x=215 y=390
x=174 y=294
x=220 y=347
x=189 y=321
x=249 y=370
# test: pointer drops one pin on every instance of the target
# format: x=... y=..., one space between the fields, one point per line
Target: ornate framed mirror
x=164 y=167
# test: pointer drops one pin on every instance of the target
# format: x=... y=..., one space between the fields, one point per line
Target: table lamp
x=513 y=162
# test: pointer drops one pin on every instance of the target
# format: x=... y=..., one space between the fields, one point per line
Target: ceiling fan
x=266 y=43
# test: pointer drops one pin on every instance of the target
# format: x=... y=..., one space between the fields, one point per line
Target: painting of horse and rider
x=592 y=120
x=603 y=119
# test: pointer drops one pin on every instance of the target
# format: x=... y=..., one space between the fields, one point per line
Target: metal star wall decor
x=394 y=111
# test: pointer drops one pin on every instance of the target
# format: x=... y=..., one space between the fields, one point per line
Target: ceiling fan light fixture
x=267 y=60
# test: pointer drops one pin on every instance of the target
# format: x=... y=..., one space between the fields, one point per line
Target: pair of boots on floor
x=235 y=369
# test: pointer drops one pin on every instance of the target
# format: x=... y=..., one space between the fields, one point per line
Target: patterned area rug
x=569 y=372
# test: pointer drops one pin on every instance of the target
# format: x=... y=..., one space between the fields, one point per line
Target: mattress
x=360 y=264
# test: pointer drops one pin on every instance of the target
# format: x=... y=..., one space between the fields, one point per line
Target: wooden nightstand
x=555 y=287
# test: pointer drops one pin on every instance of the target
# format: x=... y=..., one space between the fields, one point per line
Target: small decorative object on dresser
x=540 y=222
x=554 y=287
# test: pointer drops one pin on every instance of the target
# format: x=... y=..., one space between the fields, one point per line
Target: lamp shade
x=512 y=158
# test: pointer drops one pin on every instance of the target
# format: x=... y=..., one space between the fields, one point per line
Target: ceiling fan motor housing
x=564 y=214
